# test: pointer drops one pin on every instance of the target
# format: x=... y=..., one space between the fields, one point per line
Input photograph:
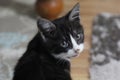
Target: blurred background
x=18 y=26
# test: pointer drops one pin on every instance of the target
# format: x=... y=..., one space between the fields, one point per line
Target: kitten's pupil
x=64 y=44
x=79 y=36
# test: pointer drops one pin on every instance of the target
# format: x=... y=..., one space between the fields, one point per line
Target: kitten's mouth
x=73 y=56
x=76 y=54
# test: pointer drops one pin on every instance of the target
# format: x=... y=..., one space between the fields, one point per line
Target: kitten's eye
x=78 y=36
x=64 y=44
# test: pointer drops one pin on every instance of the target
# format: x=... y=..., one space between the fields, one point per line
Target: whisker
x=59 y=61
x=63 y=62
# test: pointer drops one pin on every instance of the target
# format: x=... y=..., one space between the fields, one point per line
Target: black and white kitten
x=48 y=54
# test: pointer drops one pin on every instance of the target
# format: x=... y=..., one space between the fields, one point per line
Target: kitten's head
x=63 y=37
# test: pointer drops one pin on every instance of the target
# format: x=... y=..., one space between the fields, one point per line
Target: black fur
x=37 y=63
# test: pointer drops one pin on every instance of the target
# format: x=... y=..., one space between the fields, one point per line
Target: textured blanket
x=17 y=27
x=105 y=53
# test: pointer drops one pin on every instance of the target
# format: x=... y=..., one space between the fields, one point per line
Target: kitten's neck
x=47 y=58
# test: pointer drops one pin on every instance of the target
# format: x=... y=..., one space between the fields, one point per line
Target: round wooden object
x=49 y=9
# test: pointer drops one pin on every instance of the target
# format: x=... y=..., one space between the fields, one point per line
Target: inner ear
x=46 y=27
x=74 y=14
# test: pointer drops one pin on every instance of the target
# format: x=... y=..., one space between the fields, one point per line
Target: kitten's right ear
x=45 y=26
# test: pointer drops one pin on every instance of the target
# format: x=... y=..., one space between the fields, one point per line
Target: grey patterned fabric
x=105 y=52
x=17 y=27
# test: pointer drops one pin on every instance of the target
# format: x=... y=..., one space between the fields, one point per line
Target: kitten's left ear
x=74 y=14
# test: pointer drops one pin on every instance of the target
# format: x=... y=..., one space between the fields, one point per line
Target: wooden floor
x=88 y=10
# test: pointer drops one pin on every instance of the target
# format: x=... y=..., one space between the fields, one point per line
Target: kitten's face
x=63 y=37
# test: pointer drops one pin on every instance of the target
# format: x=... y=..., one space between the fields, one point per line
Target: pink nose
x=77 y=50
